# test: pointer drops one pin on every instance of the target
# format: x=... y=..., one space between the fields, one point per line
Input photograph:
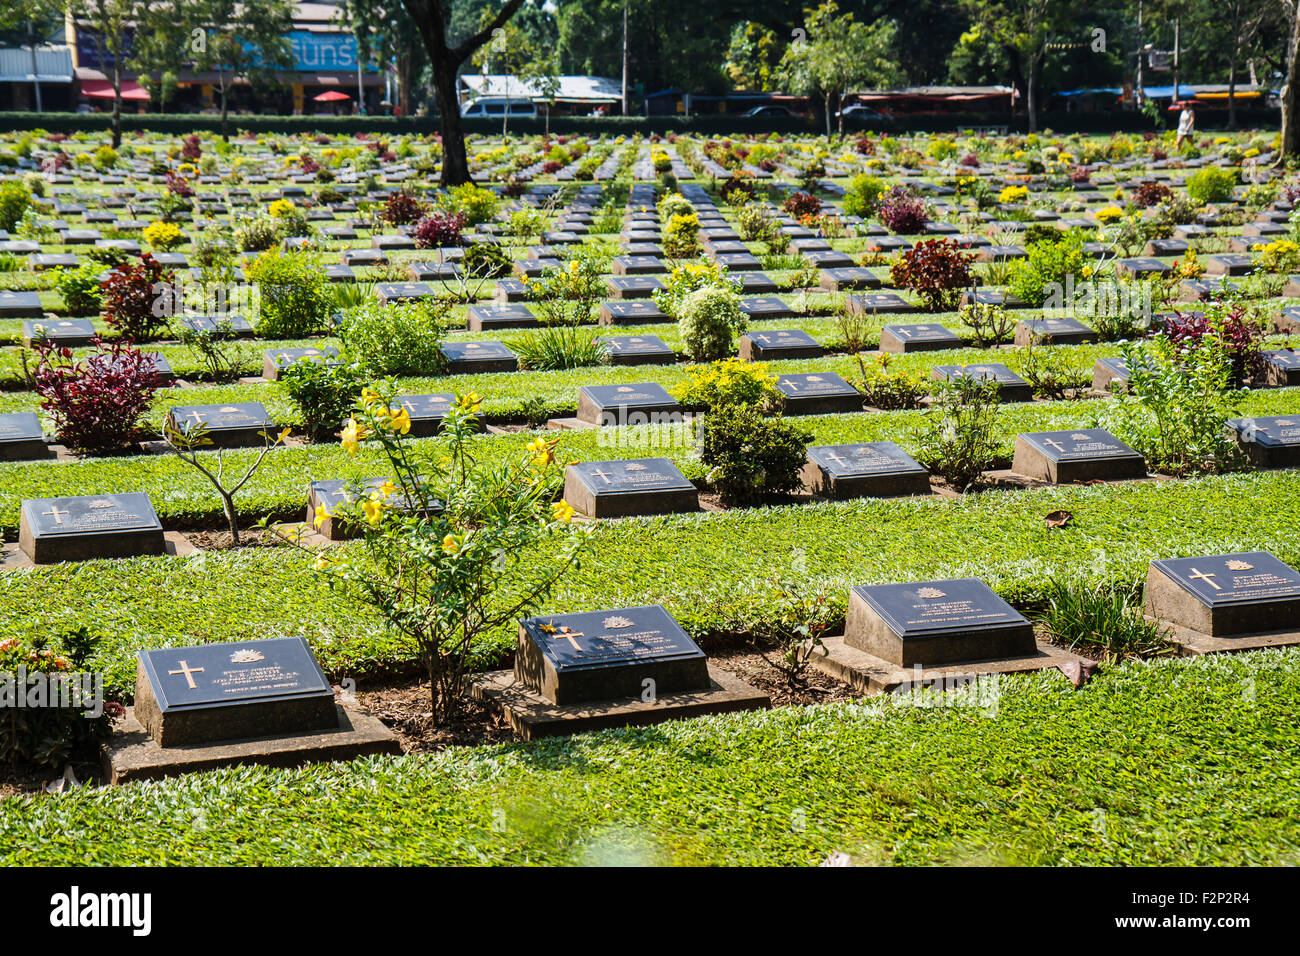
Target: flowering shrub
x=1108 y=214
x=1211 y=184
x=439 y=229
x=750 y=456
x=97 y=403
x=46 y=736
x=139 y=298
x=709 y=319
x=455 y=547
x=685 y=279
x=191 y=148
x=729 y=382
x=863 y=195
x=402 y=209
x=568 y=295
x=1013 y=194
x=478 y=204
x=681 y=236
x=178 y=185
x=163 y=236
x=935 y=269
x=802 y=204
x=1280 y=256
x=902 y=213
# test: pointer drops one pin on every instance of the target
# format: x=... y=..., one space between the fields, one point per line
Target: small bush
x=750 y=456
x=476 y=203
x=1151 y=194
x=163 y=236
x=396 y=339
x=439 y=229
x=139 y=299
x=402 y=209
x=681 y=236
x=862 y=198
x=990 y=324
x=1211 y=184
x=729 y=382
x=15 y=199
x=558 y=347
x=1100 y=619
x=97 y=403
x=257 y=235
x=959 y=438
x=324 y=395
x=902 y=213
x=709 y=320
x=1049 y=373
x=890 y=390
x=485 y=260
x=46 y=737
x=294 y=294
x=80 y=289
x=687 y=278
x=935 y=269
x=802 y=204
x=1045 y=269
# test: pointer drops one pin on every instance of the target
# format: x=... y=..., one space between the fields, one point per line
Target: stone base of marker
x=1120 y=465
x=673 y=495
x=131 y=754
x=532 y=716
x=1166 y=600
x=868 y=674
x=1193 y=643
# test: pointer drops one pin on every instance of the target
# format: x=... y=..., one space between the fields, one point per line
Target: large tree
x=445 y=61
x=1290 y=95
x=109 y=24
x=235 y=39
x=1022 y=28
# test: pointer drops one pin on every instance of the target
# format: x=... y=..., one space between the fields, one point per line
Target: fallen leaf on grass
x=1078 y=672
x=1057 y=519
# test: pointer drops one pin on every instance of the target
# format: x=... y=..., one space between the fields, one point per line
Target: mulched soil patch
x=221 y=540
x=403 y=706
x=814 y=687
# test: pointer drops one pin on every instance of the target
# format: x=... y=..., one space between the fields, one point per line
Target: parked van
x=496 y=106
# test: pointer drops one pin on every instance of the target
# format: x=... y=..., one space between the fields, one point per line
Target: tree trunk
x=1031 y=94
x=36 y=72
x=1290 y=121
x=1232 y=88
x=455 y=161
x=117 y=102
x=827 y=100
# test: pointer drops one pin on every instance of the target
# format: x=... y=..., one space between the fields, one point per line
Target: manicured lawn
x=1184 y=762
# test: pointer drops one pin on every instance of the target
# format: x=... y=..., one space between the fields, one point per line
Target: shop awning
x=102 y=89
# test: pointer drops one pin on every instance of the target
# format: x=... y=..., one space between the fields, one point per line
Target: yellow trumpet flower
x=562 y=511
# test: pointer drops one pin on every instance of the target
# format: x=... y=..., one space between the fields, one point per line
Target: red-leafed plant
x=1080 y=174
x=551 y=166
x=971 y=160
x=903 y=213
x=139 y=298
x=179 y=186
x=802 y=204
x=1220 y=326
x=440 y=229
x=935 y=269
x=865 y=145
x=97 y=403
x=1151 y=194
x=402 y=209
x=192 y=149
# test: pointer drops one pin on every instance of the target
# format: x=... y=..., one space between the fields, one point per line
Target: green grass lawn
x=1186 y=762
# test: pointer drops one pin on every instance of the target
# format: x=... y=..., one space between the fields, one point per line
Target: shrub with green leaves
x=80 y=289
x=324 y=394
x=1100 y=618
x=486 y=260
x=293 y=291
x=681 y=236
x=750 y=456
x=1211 y=184
x=729 y=382
x=15 y=199
x=863 y=195
x=1044 y=271
x=474 y=202
x=887 y=389
x=1049 y=372
x=709 y=320
x=958 y=440
x=687 y=278
x=558 y=347
x=46 y=736
x=396 y=338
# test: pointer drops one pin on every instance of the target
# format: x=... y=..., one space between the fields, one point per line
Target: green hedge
x=1150 y=764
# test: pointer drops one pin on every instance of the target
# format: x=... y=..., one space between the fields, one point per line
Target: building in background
x=54 y=72
x=576 y=95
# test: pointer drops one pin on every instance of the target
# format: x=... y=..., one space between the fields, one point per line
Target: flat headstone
x=21 y=437
x=1107 y=373
x=604 y=655
x=426 y=411
x=819 y=393
x=633 y=287
x=1224 y=595
x=391 y=292
x=1201 y=290
x=771 y=345
x=932 y=623
x=616 y=489
x=67 y=332
x=922 y=337
x=20 y=305
x=235 y=326
x=865 y=470
x=1011 y=387
x=636 y=350
x=848 y=279
x=228 y=426
x=992 y=297
x=94 y=526
x=1084 y=454
x=1269 y=441
x=432 y=271
x=641 y=312
x=262 y=688
x=632 y=404
x=867 y=303
x=1053 y=332
x=766 y=307
x=1229 y=265
x=464 y=358
x=486 y=318
x=1141 y=266
x=637 y=265
x=275 y=361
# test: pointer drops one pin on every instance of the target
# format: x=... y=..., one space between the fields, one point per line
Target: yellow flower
x=562 y=511
x=400 y=421
x=323 y=563
x=387 y=489
x=374 y=510
x=470 y=401
x=284 y=435
x=368 y=397
x=450 y=544
x=322 y=515
x=354 y=433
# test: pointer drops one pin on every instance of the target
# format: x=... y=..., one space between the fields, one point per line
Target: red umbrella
x=331 y=96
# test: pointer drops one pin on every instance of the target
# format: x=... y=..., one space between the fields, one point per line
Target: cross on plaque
x=1198 y=575
x=189 y=673
x=1055 y=444
x=408 y=405
x=197 y=416
x=906 y=333
x=58 y=515
x=601 y=473
x=567 y=634
x=834 y=456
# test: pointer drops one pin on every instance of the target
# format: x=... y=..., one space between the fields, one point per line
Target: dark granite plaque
x=1053 y=332
x=69 y=332
x=1110 y=373
x=94 y=526
x=632 y=313
x=198 y=695
x=867 y=470
x=464 y=358
x=923 y=337
x=1282 y=367
x=275 y=361
x=331 y=494
x=1011 y=387
x=427 y=411
x=640 y=486
x=228 y=426
x=771 y=345
x=486 y=318
x=1085 y=454
x=20 y=305
x=605 y=655
x=390 y=292
x=867 y=303
x=934 y=623
x=633 y=287
x=637 y=265
x=1141 y=266
x=632 y=404
x=820 y=393
x=766 y=307
x=1269 y=442
x=636 y=350
x=432 y=271
x=848 y=279
x=1226 y=594
x=234 y=326
x=1229 y=265
x=21 y=437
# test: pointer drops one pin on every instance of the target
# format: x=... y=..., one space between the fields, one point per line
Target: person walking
x=1186 y=124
